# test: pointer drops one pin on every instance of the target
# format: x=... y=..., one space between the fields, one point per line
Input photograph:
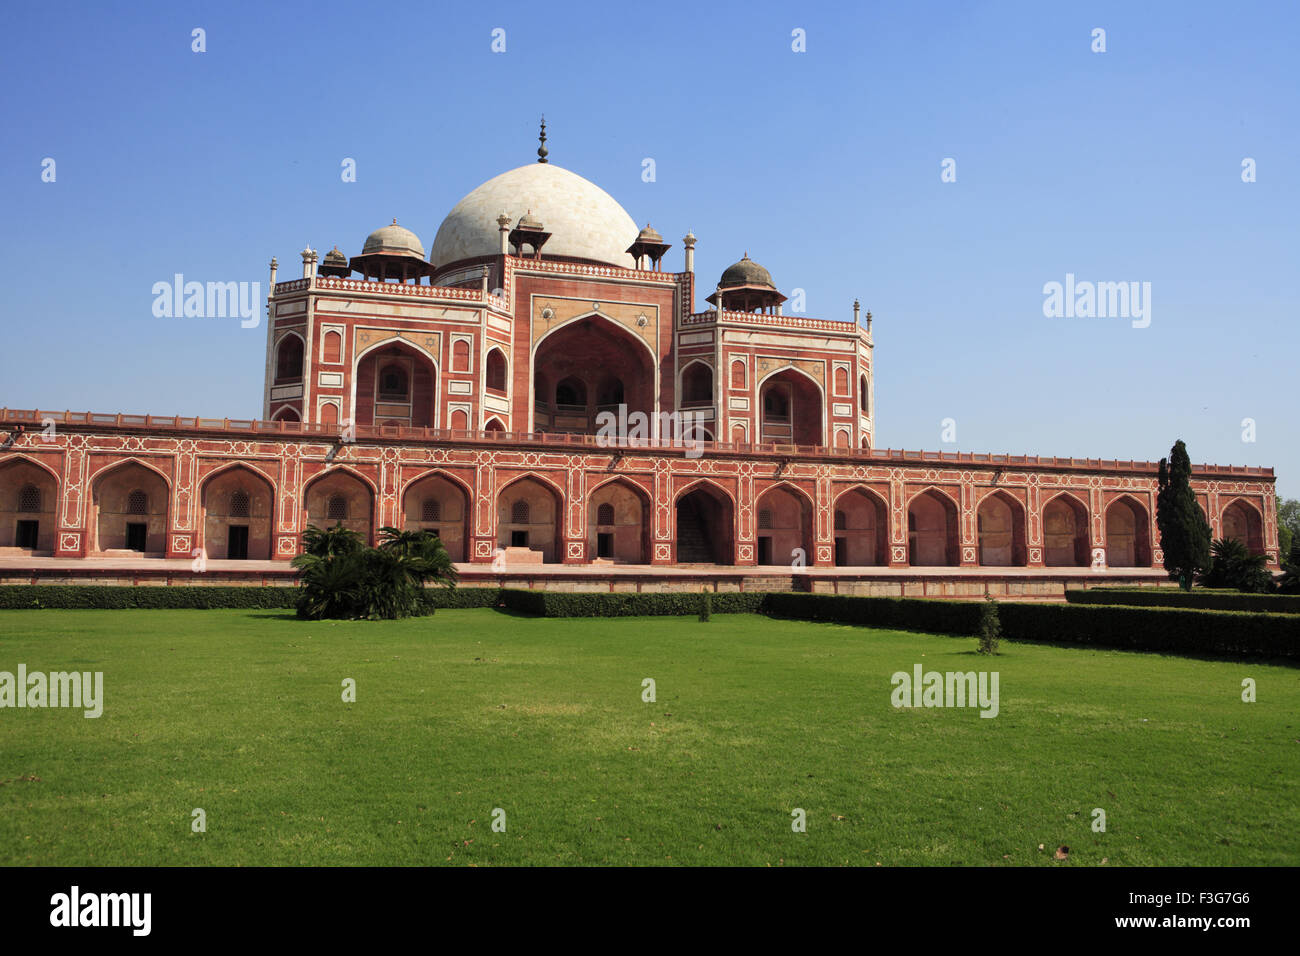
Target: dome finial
x=542 y=151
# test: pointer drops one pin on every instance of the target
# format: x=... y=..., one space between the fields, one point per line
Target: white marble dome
x=584 y=221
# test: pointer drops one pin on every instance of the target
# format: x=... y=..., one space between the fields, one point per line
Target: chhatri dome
x=583 y=220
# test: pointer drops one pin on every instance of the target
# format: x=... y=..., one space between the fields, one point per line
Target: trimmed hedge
x=905 y=614
x=116 y=597
x=1165 y=630
x=1195 y=599
x=199 y=597
x=628 y=604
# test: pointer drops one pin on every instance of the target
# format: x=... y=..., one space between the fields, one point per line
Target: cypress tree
x=1184 y=532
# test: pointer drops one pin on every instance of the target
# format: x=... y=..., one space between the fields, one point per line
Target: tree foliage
x=1184 y=532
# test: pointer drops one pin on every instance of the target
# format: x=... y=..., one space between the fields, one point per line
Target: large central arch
x=588 y=366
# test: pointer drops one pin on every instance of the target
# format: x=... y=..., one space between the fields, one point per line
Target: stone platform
x=1047 y=584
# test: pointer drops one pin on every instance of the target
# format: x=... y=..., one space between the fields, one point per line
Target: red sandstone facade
x=471 y=405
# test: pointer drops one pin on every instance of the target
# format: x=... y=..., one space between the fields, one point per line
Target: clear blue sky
x=824 y=165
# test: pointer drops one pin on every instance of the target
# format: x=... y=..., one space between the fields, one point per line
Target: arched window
x=288 y=360
x=571 y=391
x=336 y=508
x=863 y=398
x=137 y=503
x=496 y=371
x=431 y=510
x=239 y=504
x=519 y=512
x=841 y=520
x=460 y=356
x=332 y=349
x=394 y=386
x=737 y=374
x=329 y=414
x=459 y=420
x=841 y=381
x=765 y=518
x=605 y=514
x=29 y=499
x=287 y=414
x=697 y=385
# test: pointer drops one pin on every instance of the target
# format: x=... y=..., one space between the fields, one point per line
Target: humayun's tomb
x=463 y=392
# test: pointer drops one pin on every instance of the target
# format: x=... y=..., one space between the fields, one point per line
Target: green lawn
x=240 y=713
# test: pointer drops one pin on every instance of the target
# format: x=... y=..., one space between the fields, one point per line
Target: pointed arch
x=1000 y=530
x=1128 y=533
x=626 y=538
x=359 y=492
x=704 y=524
x=785 y=526
x=1065 y=523
x=860 y=525
x=21 y=524
x=451 y=517
x=224 y=534
x=932 y=529
x=290 y=357
x=1242 y=520
x=530 y=515
x=116 y=525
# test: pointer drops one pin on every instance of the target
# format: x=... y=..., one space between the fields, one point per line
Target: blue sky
x=823 y=165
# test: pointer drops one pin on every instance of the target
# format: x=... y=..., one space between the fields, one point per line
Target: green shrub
x=605 y=604
x=1233 y=566
x=706 y=606
x=1165 y=630
x=990 y=628
x=907 y=614
x=1196 y=599
x=163 y=597
x=341 y=578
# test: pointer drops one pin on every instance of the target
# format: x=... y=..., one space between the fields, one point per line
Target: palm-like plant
x=341 y=578
x=1233 y=566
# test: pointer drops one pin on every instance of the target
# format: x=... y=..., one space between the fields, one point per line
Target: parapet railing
x=35 y=420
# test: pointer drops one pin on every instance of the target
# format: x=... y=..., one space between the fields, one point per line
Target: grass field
x=240 y=713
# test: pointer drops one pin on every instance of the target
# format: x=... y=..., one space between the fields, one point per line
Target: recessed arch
x=24 y=522
x=594 y=351
x=358 y=491
x=449 y=519
x=496 y=371
x=625 y=537
x=226 y=533
x=786 y=537
x=118 y=523
x=420 y=407
x=1241 y=520
x=1065 y=531
x=1000 y=530
x=530 y=512
x=695 y=384
x=1128 y=533
x=932 y=529
x=290 y=353
x=791 y=407
x=704 y=524
x=860 y=517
